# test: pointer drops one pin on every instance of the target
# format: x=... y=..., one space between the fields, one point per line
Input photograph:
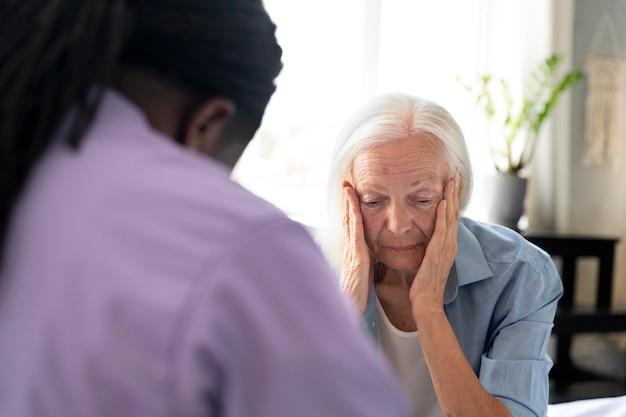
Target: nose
x=399 y=219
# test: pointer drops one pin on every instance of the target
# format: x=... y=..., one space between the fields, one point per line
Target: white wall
x=595 y=199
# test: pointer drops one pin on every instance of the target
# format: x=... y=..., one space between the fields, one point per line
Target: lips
x=402 y=249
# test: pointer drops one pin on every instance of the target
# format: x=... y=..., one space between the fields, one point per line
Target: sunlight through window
x=336 y=54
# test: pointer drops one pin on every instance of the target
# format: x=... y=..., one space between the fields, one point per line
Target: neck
x=402 y=278
x=162 y=104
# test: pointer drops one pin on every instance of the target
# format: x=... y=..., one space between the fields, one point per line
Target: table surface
x=551 y=234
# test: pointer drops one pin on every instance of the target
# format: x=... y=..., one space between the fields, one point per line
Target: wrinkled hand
x=428 y=287
x=357 y=273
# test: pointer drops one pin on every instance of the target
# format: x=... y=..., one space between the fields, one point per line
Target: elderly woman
x=462 y=309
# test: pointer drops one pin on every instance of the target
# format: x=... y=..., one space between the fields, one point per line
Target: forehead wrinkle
x=367 y=183
x=412 y=164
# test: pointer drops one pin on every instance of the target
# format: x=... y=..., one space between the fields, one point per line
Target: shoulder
x=502 y=246
x=147 y=176
x=511 y=263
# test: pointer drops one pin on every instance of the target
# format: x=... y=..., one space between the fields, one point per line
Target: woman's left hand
x=458 y=389
x=429 y=285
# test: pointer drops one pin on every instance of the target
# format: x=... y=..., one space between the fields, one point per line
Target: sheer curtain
x=337 y=53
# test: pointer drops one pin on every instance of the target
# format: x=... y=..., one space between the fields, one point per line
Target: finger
x=438 y=238
x=452 y=211
x=353 y=234
x=357 y=231
x=346 y=207
x=452 y=217
x=449 y=193
x=352 y=200
x=455 y=196
x=353 y=214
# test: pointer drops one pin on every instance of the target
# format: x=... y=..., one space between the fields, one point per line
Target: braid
x=59 y=55
x=52 y=54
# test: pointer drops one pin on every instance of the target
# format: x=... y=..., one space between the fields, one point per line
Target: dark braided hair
x=58 y=55
x=51 y=53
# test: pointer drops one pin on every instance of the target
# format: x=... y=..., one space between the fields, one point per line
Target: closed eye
x=423 y=202
x=371 y=203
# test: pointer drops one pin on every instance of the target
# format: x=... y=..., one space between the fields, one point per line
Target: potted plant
x=513 y=129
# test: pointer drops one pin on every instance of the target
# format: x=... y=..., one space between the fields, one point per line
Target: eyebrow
x=430 y=183
x=431 y=179
x=427 y=180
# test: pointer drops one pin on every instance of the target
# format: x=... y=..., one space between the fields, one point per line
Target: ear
x=206 y=124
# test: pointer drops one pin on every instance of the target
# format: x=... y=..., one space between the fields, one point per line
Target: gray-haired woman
x=462 y=309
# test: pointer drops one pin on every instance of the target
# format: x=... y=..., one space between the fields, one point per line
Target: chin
x=402 y=263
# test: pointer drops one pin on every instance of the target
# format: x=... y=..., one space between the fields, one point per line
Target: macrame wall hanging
x=603 y=107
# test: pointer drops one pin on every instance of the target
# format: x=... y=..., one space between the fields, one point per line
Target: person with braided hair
x=136 y=279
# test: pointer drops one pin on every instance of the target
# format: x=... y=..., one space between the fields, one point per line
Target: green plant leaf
x=523 y=121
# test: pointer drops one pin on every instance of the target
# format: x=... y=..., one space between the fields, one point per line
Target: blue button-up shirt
x=500 y=298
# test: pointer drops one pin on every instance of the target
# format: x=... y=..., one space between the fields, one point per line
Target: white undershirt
x=404 y=351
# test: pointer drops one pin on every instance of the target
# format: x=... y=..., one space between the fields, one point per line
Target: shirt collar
x=469 y=266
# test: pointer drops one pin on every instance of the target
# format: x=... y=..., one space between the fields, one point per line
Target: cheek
x=371 y=227
x=374 y=223
x=426 y=221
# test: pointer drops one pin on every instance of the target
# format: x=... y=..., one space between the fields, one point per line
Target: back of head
x=209 y=48
x=57 y=55
x=388 y=117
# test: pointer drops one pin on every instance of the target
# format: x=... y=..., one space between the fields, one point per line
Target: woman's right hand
x=357 y=273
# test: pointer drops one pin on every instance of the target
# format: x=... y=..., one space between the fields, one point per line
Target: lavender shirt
x=140 y=281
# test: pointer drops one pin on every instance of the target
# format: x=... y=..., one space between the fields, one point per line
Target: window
x=338 y=53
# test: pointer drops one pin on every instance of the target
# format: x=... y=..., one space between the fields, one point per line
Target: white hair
x=383 y=119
